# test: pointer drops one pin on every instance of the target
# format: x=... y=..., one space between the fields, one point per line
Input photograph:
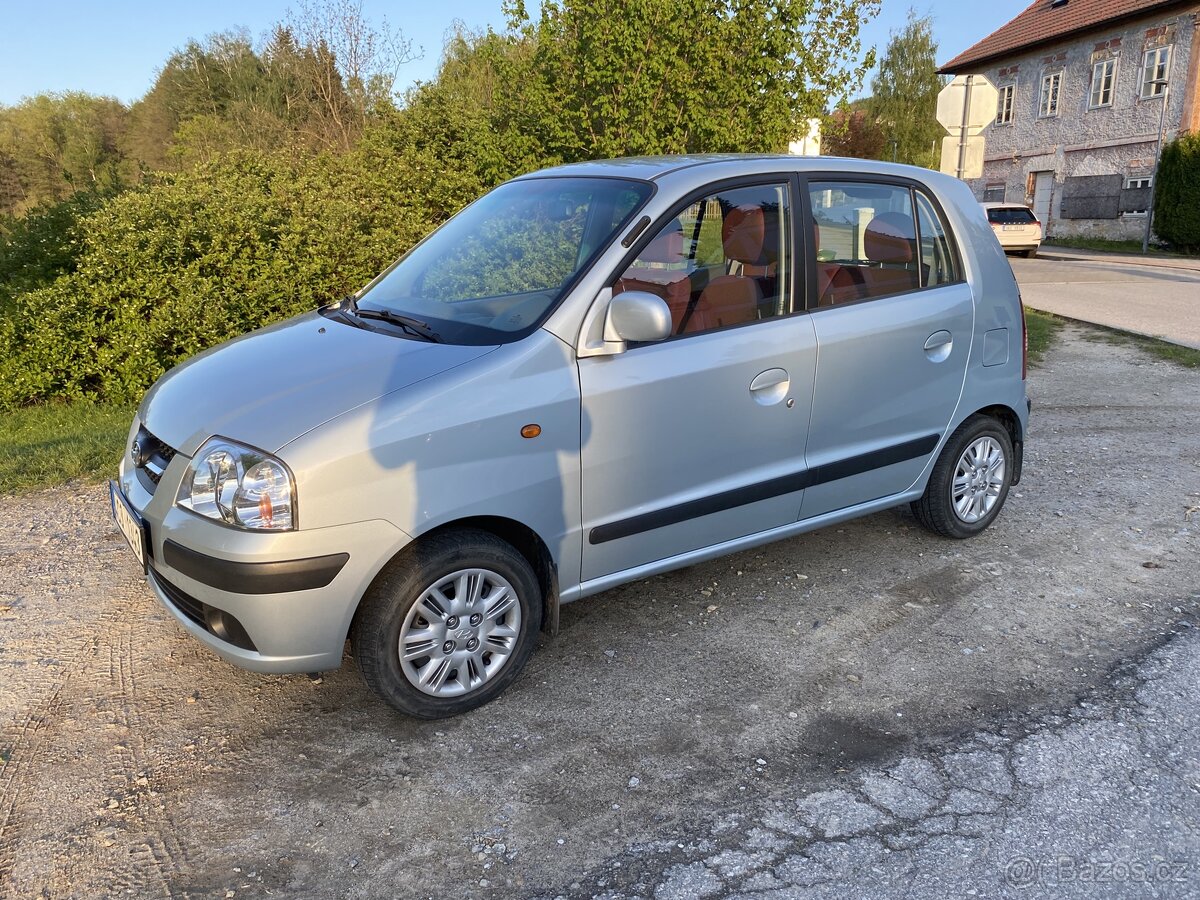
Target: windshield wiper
x=408 y=323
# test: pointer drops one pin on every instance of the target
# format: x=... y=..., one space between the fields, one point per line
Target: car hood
x=269 y=387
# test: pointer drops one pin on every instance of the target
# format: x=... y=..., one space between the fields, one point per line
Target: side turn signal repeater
x=531 y=431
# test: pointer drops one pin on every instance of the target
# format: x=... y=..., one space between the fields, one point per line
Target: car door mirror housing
x=637 y=317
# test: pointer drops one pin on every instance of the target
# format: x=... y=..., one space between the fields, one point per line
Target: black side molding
x=254 y=578
x=763 y=490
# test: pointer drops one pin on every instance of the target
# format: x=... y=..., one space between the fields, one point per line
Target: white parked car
x=1016 y=226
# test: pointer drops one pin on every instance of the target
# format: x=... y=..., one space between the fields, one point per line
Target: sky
x=116 y=48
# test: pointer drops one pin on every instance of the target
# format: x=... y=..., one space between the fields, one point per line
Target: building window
x=1051 y=87
x=1156 y=69
x=1141 y=181
x=1007 y=104
x=1104 y=76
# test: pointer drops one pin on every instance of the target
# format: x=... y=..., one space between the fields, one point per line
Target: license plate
x=1014 y=227
x=129 y=522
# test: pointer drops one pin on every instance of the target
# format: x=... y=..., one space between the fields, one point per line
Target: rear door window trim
x=806 y=181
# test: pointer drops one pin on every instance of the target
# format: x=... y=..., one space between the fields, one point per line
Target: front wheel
x=449 y=624
x=970 y=480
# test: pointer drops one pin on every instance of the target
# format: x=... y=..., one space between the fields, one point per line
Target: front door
x=1043 y=193
x=699 y=439
x=894 y=325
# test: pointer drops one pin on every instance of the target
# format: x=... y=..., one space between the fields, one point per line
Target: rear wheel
x=970 y=480
x=449 y=624
x=1029 y=254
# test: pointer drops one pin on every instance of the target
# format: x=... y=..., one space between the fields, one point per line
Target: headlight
x=239 y=486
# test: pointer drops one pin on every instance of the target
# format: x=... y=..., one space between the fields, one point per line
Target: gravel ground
x=867 y=705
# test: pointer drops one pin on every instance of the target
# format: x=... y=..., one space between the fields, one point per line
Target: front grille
x=216 y=622
x=150 y=458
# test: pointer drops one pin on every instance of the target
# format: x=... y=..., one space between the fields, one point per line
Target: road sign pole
x=962 y=135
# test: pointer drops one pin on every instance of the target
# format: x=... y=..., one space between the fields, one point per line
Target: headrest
x=667 y=246
x=890 y=238
x=750 y=236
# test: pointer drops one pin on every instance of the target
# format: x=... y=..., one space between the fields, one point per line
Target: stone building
x=1082 y=86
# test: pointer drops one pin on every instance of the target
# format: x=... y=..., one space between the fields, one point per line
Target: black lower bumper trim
x=254 y=577
x=216 y=622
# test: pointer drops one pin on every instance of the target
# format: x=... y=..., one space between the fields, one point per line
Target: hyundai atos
x=592 y=374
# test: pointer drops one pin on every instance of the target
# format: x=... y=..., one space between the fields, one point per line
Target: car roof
x=995 y=205
x=652 y=168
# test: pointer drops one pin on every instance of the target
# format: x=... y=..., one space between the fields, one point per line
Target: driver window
x=722 y=261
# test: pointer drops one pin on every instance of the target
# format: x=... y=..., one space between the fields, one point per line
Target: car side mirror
x=637 y=317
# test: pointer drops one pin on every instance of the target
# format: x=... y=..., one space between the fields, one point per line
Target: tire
x=937 y=510
x=463 y=566
x=1029 y=254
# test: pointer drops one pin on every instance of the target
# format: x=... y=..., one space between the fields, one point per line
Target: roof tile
x=1042 y=22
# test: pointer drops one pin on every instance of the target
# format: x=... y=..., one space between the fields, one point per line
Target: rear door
x=894 y=322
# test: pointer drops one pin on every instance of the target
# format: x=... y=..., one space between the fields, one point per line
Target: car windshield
x=491 y=273
x=1010 y=215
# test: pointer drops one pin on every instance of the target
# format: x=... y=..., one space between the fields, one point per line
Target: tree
x=852 y=131
x=1177 y=193
x=619 y=77
x=904 y=94
x=53 y=145
x=349 y=66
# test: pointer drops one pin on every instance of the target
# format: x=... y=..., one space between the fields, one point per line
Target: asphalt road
x=862 y=711
x=1156 y=300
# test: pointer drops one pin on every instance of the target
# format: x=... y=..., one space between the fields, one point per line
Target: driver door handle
x=768 y=379
x=769 y=387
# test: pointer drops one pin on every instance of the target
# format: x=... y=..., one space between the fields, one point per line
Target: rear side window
x=1011 y=215
x=937 y=261
x=877 y=240
x=866 y=240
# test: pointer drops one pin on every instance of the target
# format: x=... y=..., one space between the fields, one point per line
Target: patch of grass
x=1187 y=357
x=47 y=445
x=1107 y=246
x=1041 y=328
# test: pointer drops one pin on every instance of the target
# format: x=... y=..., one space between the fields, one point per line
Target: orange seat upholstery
x=891 y=241
x=835 y=283
x=749 y=237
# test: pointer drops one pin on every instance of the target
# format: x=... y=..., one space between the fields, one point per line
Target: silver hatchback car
x=592 y=374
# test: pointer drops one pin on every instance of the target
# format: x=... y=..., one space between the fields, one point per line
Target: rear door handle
x=938 y=346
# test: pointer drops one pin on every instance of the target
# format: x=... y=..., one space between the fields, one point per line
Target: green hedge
x=171 y=269
x=1177 y=194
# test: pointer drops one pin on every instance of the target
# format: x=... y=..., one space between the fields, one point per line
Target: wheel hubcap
x=460 y=632
x=978 y=479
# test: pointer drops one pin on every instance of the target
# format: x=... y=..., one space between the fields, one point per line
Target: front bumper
x=290 y=596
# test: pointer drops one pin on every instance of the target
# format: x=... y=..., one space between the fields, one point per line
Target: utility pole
x=1158 y=139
